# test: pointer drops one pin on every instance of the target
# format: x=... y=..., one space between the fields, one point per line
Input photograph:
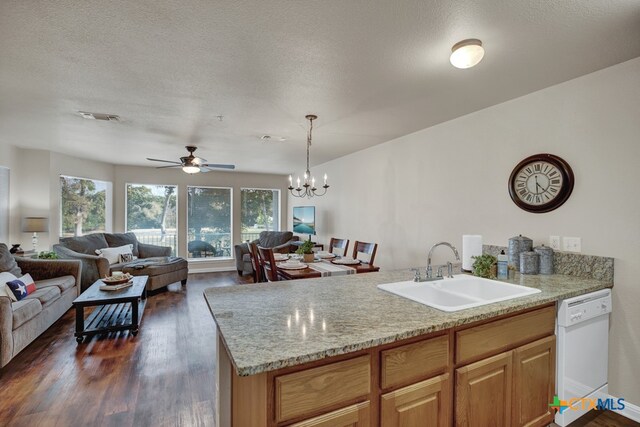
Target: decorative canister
x=529 y=262
x=517 y=245
x=546 y=259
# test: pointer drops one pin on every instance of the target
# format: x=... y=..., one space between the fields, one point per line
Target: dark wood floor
x=163 y=377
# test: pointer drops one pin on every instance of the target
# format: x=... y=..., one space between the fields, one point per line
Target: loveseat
x=57 y=284
x=279 y=241
x=94 y=267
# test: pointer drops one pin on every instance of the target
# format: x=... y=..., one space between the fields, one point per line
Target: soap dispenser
x=503 y=267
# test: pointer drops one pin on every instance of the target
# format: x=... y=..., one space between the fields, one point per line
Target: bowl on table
x=117 y=279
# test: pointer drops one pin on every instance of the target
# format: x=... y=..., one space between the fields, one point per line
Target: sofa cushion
x=63 y=283
x=85 y=244
x=25 y=310
x=45 y=295
x=270 y=239
x=7 y=262
x=121 y=239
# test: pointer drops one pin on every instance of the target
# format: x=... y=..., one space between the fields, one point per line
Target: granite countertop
x=274 y=325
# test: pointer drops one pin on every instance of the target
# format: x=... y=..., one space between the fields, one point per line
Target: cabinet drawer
x=310 y=391
x=414 y=361
x=494 y=337
x=352 y=416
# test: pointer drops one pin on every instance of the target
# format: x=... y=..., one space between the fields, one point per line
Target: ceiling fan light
x=467 y=53
x=191 y=169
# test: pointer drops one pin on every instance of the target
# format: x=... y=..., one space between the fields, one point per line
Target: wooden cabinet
x=483 y=392
x=495 y=372
x=534 y=367
x=425 y=404
x=351 y=416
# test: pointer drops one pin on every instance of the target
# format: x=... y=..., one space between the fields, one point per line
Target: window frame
x=186 y=222
x=279 y=222
x=126 y=209
x=108 y=204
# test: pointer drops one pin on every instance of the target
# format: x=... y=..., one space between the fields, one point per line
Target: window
x=83 y=206
x=209 y=222
x=260 y=211
x=152 y=214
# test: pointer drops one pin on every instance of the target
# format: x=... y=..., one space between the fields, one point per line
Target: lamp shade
x=32 y=224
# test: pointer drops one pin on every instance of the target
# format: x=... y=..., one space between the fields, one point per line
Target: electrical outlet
x=554 y=242
x=572 y=244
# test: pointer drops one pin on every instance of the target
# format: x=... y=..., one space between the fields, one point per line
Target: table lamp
x=35 y=225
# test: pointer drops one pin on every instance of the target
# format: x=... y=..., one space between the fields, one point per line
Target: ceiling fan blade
x=170 y=166
x=199 y=160
x=217 y=166
x=164 y=161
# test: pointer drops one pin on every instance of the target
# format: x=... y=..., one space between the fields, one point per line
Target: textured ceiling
x=372 y=70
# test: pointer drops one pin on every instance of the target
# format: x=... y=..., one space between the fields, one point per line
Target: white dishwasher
x=582 y=351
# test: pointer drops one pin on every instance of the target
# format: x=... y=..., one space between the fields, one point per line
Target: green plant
x=482 y=266
x=306 y=247
x=47 y=255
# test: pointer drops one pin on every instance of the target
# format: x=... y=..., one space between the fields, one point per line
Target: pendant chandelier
x=308 y=188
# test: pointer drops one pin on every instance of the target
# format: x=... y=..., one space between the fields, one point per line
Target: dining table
x=324 y=268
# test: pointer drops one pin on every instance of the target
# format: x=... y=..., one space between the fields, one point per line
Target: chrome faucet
x=449 y=265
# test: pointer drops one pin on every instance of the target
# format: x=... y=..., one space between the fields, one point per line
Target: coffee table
x=116 y=310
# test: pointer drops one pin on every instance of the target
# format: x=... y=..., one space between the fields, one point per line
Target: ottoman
x=162 y=271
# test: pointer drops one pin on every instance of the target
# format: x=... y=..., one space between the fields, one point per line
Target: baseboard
x=630 y=411
x=210 y=269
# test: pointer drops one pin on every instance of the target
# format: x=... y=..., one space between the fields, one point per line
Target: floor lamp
x=35 y=225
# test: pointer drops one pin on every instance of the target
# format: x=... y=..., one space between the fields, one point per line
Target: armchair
x=279 y=241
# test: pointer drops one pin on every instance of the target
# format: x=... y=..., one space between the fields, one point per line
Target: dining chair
x=338 y=246
x=269 y=265
x=258 y=271
x=365 y=252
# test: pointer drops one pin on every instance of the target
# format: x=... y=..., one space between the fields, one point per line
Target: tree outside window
x=260 y=211
x=209 y=222
x=83 y=206
x=152 y=214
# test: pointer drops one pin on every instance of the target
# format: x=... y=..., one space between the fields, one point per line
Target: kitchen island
x=338 y=351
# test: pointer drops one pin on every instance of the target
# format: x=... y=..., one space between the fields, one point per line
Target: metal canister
x=529 y=262
x=546 y=259
x=517 y=245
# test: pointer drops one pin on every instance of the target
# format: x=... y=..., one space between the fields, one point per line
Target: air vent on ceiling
x=99 y=116
x=272 y=138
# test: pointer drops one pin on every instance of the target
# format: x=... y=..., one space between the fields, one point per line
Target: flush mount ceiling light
x=467 y=53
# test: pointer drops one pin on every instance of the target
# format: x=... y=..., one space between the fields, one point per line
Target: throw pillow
x=7 y=262
x=126 y=257
x=113 y=254
x=20 y=289
x=4 y=290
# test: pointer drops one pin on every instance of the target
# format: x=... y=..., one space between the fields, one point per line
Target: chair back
x=338 y=246
x=365 y=252
x=268 y=264
x=258 y=271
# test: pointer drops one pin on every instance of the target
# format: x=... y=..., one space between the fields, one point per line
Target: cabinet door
x=534 y=368
x=423 y=404
x=483 y=392
x=351 y=416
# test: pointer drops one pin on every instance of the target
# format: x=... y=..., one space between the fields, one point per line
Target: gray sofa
x=280 y=241
x=94 y=267
x=57 y=285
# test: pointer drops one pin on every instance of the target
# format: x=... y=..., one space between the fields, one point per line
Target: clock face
x=541 y=183
x=538 y=183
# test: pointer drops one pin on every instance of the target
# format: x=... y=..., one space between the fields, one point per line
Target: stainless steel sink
x=459 y=293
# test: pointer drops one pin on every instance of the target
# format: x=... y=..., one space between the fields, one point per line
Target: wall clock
x=541 y=183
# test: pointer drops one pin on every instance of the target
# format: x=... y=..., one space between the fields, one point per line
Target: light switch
x=572 y=244
x=554 y=242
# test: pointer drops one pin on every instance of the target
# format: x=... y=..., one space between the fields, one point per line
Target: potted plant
x=306 y=250
x=47 y=255
x=485 y=266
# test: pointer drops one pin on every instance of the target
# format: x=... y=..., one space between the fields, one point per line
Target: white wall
x=451 y=179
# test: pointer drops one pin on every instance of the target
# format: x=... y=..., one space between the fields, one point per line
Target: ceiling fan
x=192 y=164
